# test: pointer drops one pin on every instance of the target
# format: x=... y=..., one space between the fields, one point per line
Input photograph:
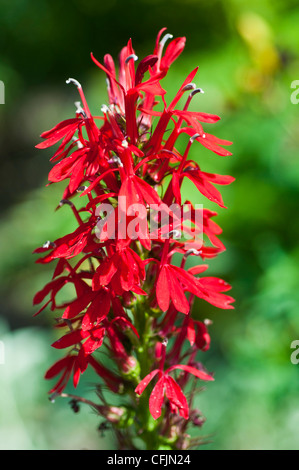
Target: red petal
x=162 y=290
x=206 y=188
x=105 y=272
x=176 y=397
x=78 y=305
x=70 y=339
x=95 y=341
x=77 y=175
x=203 y=117
x=97 y=311
x=55 y=134
x=156 y=398
x=198 y=269
x=143 y=67
x=61 y=364
x=198 y=373
x=174 y=49
x=176 y=292
x=58 y=127
x=144 y=383
x=56 y=284
x=191 y=332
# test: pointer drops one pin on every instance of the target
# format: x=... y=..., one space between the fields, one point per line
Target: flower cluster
x=130 y=297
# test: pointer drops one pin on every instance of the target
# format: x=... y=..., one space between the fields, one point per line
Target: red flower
x=172 y=390
x=128 y=292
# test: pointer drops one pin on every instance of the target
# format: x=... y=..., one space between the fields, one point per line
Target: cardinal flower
x=166 y=384
x=118 y=286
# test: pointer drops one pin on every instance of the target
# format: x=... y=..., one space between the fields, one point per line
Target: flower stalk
x=123 y=184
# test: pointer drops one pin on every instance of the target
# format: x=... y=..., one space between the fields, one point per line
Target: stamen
x=165 y=39
x=49 y=244
x=192 y=251
x=174 y=234
x=79 y=109
x=66 y=201
x=132 y=56
x=75 y=82
x=165 y=342
x=190 y=168
x=197 y=90
x=125 y=144
x=81 y=188
x=104 y=109
x=194 y=137
x=190 y=86
x=117 y=160
x=208 y=322
x=52 y=397
x=78 y=142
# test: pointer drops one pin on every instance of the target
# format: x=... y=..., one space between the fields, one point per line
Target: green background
x=247 y=54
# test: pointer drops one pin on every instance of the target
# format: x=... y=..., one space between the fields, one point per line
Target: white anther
x=115 y=159
x=81 y=188
x=49 y=244
x=78 y=142
x=79 y=109
x=165 y=38
x=75 y=82
x=132 y=56
x=66 y=201
x=189 y=86
x=104 y=109
x=174 y=234
x=197 y=90
x=193 y=138
x=192 y=251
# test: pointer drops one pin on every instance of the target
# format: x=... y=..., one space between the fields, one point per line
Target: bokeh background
x=247 y=52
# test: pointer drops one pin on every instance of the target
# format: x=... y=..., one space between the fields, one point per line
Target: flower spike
x=125 y=262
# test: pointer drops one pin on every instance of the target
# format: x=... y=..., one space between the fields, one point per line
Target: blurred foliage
x=248 y=57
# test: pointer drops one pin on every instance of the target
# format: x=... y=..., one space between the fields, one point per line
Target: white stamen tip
x=116 y=160
x=197 y=90
x=81 y=188
x=132 y=56
x=203 y=136
x=49 y=244
x=104 y=109
x=165 y=38
x=66 y=201
x=75 y=82
x=78 y=142
x=125 y=144
x=194 y=137
x=192 y=251
x=174 y=234
x=189 y=86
